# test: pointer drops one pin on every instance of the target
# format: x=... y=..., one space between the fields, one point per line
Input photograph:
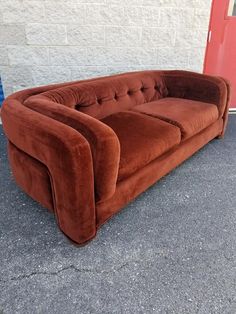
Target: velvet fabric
x=68 y=158
x=104 y=144
x=102 y=97
x=31 y=175
x=142 y=139
x=198 y=87
x=85 y=149
x=137 y=183
x=189 y=116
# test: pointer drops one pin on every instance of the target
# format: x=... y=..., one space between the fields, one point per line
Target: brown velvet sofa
x=85 y=149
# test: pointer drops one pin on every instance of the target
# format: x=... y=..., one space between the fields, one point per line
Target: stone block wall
x=46 y=41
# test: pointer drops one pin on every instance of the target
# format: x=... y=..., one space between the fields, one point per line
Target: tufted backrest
x=104 y=96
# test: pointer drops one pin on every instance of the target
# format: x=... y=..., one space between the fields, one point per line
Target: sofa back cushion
x=104 y=96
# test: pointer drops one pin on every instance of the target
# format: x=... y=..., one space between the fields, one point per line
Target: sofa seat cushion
x=189 y=115
x=142 y=139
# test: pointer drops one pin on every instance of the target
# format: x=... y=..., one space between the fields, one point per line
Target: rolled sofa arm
x=103 y=141
x=200 y=87
x=67 y=155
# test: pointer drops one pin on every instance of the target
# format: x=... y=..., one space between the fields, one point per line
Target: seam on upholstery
x=52 y=190
x=171 y=151
x=170 y=121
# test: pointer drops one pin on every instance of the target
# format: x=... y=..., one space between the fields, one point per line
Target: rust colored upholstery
x=148 y=138
x=85 y=149
x=104 y=144
x=190 y=116
x=137 y=183
x=33 y=179
x=67 y=156
x=102 y=97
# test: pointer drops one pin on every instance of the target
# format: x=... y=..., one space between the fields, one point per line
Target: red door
x=220 y=58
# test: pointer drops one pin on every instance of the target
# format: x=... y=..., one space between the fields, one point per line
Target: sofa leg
x=81 y=244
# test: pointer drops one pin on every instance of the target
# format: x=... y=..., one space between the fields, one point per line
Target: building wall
x=45 y=41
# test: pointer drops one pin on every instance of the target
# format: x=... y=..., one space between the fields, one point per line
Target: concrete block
x=158 y=37
x=80 y=73
x=85 y=35
x=11 y=34
x=46 y=34
x=26 y=11
x=27 y=55
x=3 y=55
x=68 y=12
x=68 y=56
x=123 y=36
x=53 y=74
x=105 y=14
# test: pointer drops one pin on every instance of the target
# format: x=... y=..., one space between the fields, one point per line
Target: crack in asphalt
x=72 y=267
x=146 y=265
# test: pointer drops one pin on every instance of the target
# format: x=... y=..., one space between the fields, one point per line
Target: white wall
x=44 y=41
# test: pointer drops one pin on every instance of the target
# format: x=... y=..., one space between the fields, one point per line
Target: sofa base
x=36 y=176
x=131 y=187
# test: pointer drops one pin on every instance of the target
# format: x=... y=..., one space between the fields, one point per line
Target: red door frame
x=209 y=32
x=214 y=35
